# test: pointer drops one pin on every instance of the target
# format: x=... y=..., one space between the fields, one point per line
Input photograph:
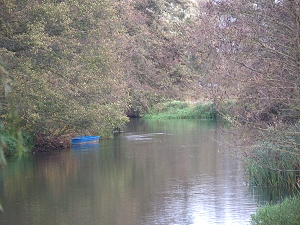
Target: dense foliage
x=63 y=65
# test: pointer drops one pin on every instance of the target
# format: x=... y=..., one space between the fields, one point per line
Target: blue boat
x=85 y=139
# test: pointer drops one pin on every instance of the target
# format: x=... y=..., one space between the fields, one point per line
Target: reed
x=276 y=161
x=272 y=165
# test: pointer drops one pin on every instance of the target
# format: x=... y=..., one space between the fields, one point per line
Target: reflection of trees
x=29 y=183
x=122 y=180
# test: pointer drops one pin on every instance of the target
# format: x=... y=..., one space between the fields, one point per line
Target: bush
x=286 y=212
x=11 y=142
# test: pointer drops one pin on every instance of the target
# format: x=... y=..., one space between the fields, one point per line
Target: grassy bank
x=287 y=212
x=182 y=110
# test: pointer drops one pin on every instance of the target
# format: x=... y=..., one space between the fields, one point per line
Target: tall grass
x=182 y=110
x=276 y=161
x=270 y=165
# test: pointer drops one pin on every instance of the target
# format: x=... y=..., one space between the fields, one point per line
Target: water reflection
x=156 y=172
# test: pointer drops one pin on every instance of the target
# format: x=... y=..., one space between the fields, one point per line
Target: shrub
x=286 y=212
x=10 y=141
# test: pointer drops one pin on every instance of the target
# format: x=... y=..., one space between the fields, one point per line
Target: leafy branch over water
x=9 y=128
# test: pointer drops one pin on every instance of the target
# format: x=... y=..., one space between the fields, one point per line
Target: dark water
x=156 y=172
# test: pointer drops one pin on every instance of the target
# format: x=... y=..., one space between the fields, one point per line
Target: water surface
x=156 y=172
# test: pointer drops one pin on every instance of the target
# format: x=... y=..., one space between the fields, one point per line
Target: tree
x=67 y=75
x=256 y=45
x=155 y=50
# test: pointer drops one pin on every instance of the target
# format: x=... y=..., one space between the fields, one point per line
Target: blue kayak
x=85 y=139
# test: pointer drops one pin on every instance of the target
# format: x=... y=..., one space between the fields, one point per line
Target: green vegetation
x=182 y=110
x=11 y=137
x=11 y=140
x=269 y=165
x=276 y=162
x=286 y=212
x=77 y=67
x=62 y=67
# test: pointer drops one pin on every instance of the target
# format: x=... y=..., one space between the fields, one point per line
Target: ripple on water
x=142 y=137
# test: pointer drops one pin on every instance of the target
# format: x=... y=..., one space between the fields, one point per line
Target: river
x=155 y=172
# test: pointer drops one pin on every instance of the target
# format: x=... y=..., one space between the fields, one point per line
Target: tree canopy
x=63 y=64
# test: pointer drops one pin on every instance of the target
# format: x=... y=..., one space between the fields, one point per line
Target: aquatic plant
x=276 y=162
x=267 y=167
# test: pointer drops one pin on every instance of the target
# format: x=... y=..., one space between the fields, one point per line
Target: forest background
x=73 y=67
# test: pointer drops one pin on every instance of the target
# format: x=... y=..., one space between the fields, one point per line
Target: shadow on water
x=156 y=172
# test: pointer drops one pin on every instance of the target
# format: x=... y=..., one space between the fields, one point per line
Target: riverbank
x=182 y=110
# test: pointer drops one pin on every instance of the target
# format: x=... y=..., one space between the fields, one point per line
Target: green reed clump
x=181 y=110
x=270 y=165
x=286 y=212
x=276 y=162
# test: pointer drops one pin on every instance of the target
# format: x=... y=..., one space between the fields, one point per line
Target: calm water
x=156 y=172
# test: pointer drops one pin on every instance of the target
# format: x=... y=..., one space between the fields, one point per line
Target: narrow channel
x=155 y=172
